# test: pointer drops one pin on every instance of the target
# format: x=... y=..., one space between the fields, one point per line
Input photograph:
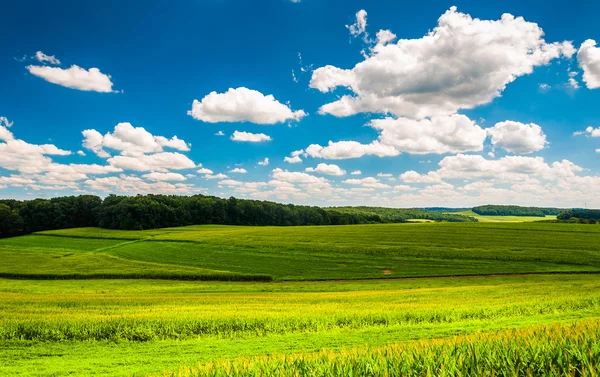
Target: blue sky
x=485 y=108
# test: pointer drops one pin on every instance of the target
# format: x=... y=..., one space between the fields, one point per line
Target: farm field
x=304 y=253
x=89 y=301
x=114 y=327
x=504 y=219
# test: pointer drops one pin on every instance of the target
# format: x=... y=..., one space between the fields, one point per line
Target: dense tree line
x=403 y=214
x=159 y=211
x=493 y=210
x=589 y=216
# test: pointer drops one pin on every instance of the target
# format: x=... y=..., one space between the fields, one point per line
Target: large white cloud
x=157 y=176
x=329 y=169
x=462 y=63
x=74 y=77
x=130 y=141
x=589 y=60
x=249 y=137
x=154 y=162
x=350 y=149
x=516 y=137
x=589 y=131
x=243 y=105
x=295 y=177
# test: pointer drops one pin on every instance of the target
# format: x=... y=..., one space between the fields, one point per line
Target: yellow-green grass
x=315 y=253
x=504 y=219
x=135 y=327
x=559 y=350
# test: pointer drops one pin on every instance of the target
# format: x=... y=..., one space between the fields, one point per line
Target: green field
x=504 y=219
x=91 y=301
x=305 y=253
x=115 y=327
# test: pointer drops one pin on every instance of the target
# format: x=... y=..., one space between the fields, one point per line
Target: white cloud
x=412 y=176
x=460 y=64
x=243 y=105
x=156 y=176
x=249 y=137
x=349 y=149
x=154 y=162
x=136 y=185
x=573 y=83
x=215 y=176
x=130 y=141
x=204 y=171
x=239 y=170
x=220 y=133
x=517 y=137
x=444 y=134
x=295 y=177
x=359 y=27
x=295 y=157
x=589 y=131
x=369 y=182
x=544 y=87
x=356 y=172
x=43 y=58
x=81 y=153
x=74 y=77
x=385 y=36
x=589 y=60
x=330 y=169
x=264 y=162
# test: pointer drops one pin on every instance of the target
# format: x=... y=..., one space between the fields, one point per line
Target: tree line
x=160 y=211
x=497 y=210
x=588 y=216
x=403 y=214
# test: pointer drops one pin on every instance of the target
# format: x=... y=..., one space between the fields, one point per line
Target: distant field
x=504 y=219
x=305 y=253
x=139 y=327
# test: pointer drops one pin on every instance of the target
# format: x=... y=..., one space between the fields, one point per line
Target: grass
x=114 y=327
x=543 y=351
x=504 y=219
x=326 y=309
x=310 y=253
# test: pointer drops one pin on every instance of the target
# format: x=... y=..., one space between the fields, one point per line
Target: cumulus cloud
x=249 y=137
x=359 y=27
x=462 y=63
x=43 y=58
x=356 y=172
x=295 y=157
x=204 y=171
x=157 y=176
x=517 y=137
x=330 y=169
x=74 y=77
x=295 y=177
x=243 y=105
x=130 y=141
x=588 y=57
x=239 y=170
x=155 y=162
x=412 y=176
x=136 y=185
x=215 y=176
x=264 y=162
x=368 y=182
x=350 y=149
x=590 y=131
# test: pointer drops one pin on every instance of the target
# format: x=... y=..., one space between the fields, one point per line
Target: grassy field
x=324 y=300
x=305 y=253
x=504 y=219
x=114 y=327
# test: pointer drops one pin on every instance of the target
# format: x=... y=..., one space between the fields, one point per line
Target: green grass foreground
x=139 y=327
x=304 y=253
